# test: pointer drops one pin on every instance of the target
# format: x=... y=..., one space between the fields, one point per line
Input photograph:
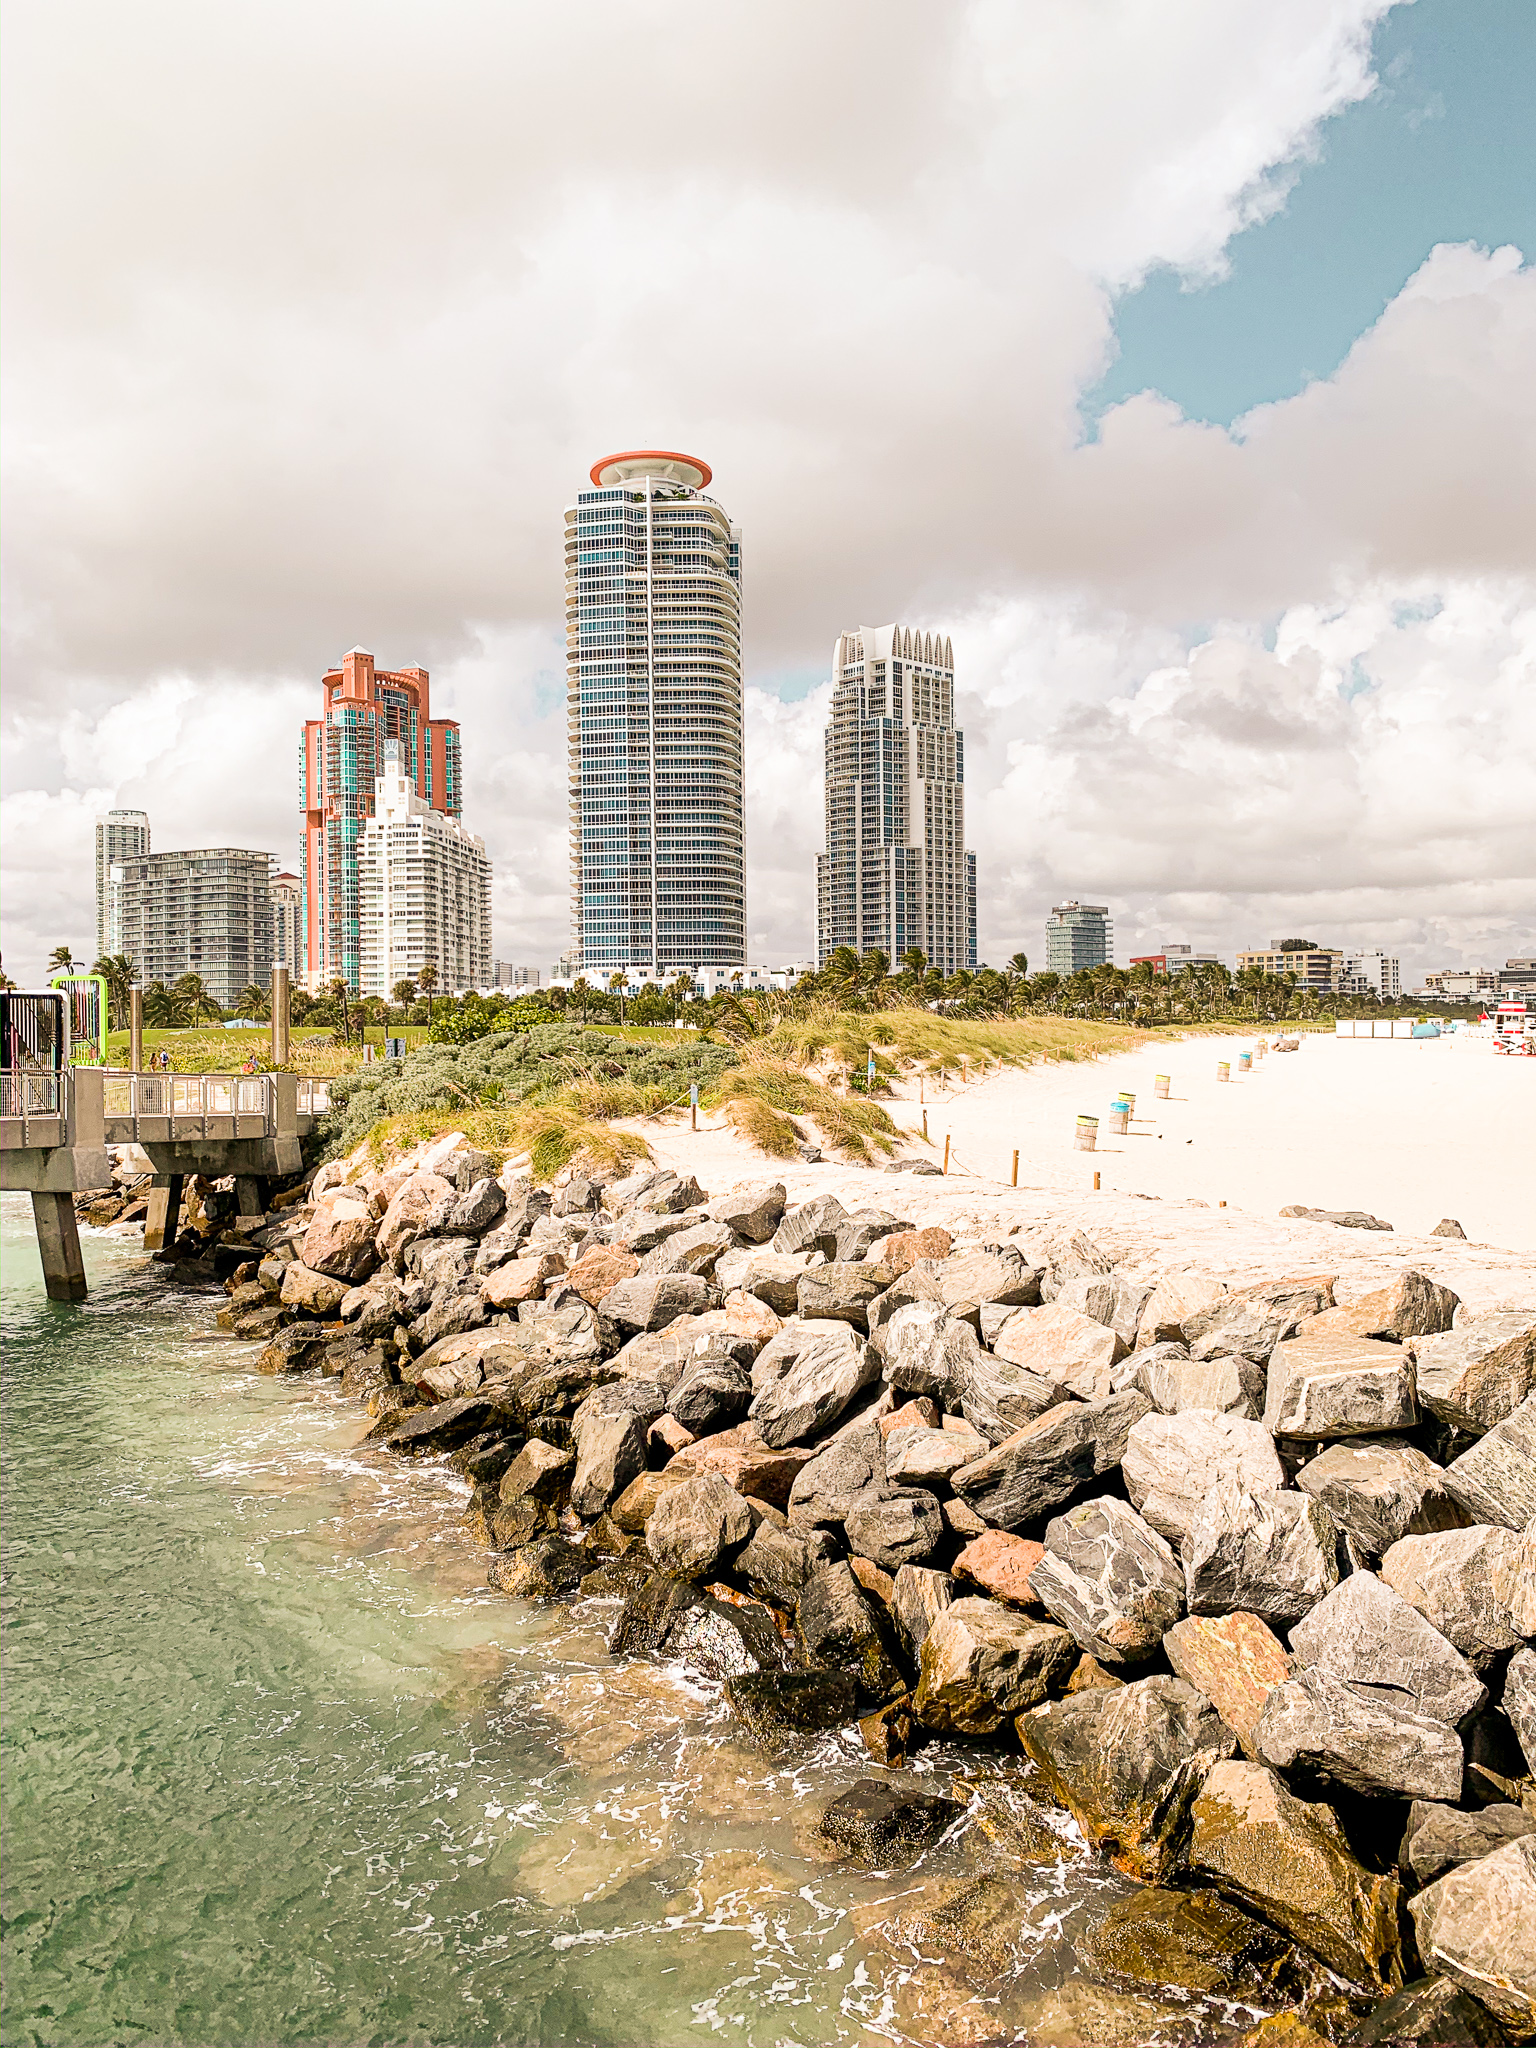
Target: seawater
x=280 y=1768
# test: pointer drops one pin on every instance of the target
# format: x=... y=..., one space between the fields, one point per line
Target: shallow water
x=280 y=1768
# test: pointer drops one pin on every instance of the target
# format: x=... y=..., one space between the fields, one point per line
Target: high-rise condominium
x=206 y=910
x=1078 y=935
x=120 y=836
x=343 y=759
x=895 y=874
x=288 y=924
x=653 y=711
x=424 y=891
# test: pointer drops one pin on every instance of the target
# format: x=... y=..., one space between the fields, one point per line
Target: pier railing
x=162 y=1108
x=34 y=1104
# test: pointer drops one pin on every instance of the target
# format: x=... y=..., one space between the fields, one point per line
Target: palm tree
x=119 y=973
x=426 y=981
x=616 y=983
x=253 y=1001
x=61 y=961
x=681 y=988
x=581 y=991
x=405 y=993
x=192 y=999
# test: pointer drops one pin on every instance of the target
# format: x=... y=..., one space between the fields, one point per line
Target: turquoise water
x=279 y=1768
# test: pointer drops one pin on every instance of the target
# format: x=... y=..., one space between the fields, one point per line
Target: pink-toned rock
x=600 y=1267
x=741 y=1458
x=408 y=1208
x=340 y=1239
x=436 y=1155
x=1235 y=1660
x=329 y=1177
x=878 y=1584
x=1063 y=1346
x=903 y=1248
x=745 y=1316
x=521 y=1279
x=667 y=1436
x=1000 y=1564
x=919 y=1414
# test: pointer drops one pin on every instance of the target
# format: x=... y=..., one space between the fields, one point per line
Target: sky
x=1176 y=359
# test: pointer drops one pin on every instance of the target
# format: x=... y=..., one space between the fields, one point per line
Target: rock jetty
x=1240 y=1581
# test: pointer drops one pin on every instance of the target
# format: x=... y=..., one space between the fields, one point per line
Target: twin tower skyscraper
x=657 y=782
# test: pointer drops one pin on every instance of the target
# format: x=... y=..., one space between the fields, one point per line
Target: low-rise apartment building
x=1315 y=967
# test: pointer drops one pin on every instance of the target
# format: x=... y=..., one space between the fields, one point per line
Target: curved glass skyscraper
x=653 y=704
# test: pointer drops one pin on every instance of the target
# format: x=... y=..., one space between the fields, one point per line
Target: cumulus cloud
x=314 y=328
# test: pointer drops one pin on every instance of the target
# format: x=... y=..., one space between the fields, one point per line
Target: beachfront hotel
x=896 y=874
x=364 y=707
x=424 y=890
x=1078 y=936
x=654 y=720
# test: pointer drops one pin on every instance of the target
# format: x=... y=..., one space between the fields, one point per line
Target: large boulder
x=1326 y=1735
x=1234 y=1660
x=918 y=1598
x=1036 y=1469
x=694 y=1250
x=452 y=1316
x=999 y=1273
x=1380 y=1491
x=741 y=1457
x=1063 y=1255
x=1271 y=1554
x=901 y=1528
x=1413 y=1306
x=1477 y=1925
x=776 y=1563
x=1463 y=1582
x=927 y=1349
x=600 y=1269
x=509 y=1285
x=1173 y=1381
x=480 y=1205
x=930 y=1457
x=1432 y=2012
x=1439 y=1838
x=409 y=1207
x=980 y=1663
x=1520 y=1702
x=812 y=1227
x=551 y=1569
x=1335 y=1386
x=1171 y=1463
x=1288 y=1860
x=772 y=1278
x=997 y=1398
x=841 y=1291
x=1198 y=1941
x=831 y=1364
x=753 y=1211
x=652 y=1300
x=775 y=1706
x=339 y=1240
x=711 y=1396
x=1249 y=1322
x=1175 y=1307
x=696 y=1526
x=293 y=1349
x=1476 y=1374
x=1114 y=1299
x=837 y=1626
x=1111 y=1581
x=1068 y=1349
x=836 y=1478
x=1495 y=1481
x=887 y=1826
x=538 y=1472
x=610 y=1430
x=1127 y=1762
x=1001 y=1566
x=307 y=1293
x=1362 y=1633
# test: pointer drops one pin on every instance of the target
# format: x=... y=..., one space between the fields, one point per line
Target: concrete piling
x=58 y=1240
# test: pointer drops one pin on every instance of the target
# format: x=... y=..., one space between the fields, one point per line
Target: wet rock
x=1343 y=1219
x=600 y=1269
x=741 y=1457
x=551 y=1569
x=1478 y=1373
x=1235 y=1661
x=294 y=1348
x=1477 y=1926
x=1175 y=1305
x=1364 y=1634
x=831 y=1364
x=776 y=1563
x=838 y=1628
x=484 y=1460
x=1324 y=1734
x=368 y=1370
x=722 y=1639
x=539 y=1471
x=887 y=1733
x=885 y=1826
x=697 y=1526
x=1289 y=1861
x=311 y=1294
x=653 y=1606
x=833 y=1482
x=1063 y=1347
x=930 y=1457
x=652 y=1300
x=896 y=1530
x=374 y=1311
x=1439 y=1838
x=509 y=1525
x=1036 y=1469
x=1001 y=1566
x=753 y=1211
x=981 y=1663
x=776 y=1705
x=1128 y=1764
x=1462 y=1581
x=1171 y=1463
x=919 y=1596
x=610 y=1431
x=1274 y=1554
x=711 y=1397
x=1197 y=1942
x=521 y=1280
x=1520 y=1702
x=841 y=1292
x=1431 y=2013
x=812 y=1227
x=1495 y=1481
x=1111 y=1581
x=422 y=1432
x=1005 y=1817
x=257 y=1325
x=1380 y=1491
x=339 y=1241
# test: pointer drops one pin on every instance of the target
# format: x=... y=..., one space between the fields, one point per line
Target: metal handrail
x=34 y=1092
x=188 y=1098
x=314 y=1096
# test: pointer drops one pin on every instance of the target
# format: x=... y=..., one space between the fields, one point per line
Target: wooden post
x=162 y=1219
x=693 y=1102
x=136 y=1031
x=946 y=1151
x=1015 y=1167
x=1095 y=1183
x=925 y=1126
x=58 y=1243
x=279 y=1016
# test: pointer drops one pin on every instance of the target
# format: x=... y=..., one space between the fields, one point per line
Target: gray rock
x=451 y=1317
x=1324 y=1733
x=864 y=1229
x=927 y=1349
x=920 y=1456
x=694 y=1250
x=1171 y=1462
x=652 y=1300
x=1520 y=1702
x=478 y=1208
x=1364 y=1634
x=770 y=1277
x=441 y=1262
x=711 y=1397
x=1462 y=1581
x=1448 y=1227
x=1063 y=1255
x=1112 y=1419
x=723 y=1640
x=841 y=1292
x=293 y=1349
x=1477 y=1925
x=610 y=1430
x=1250 y=1321
x=1175 y=1382
x=774 y=1706
x=826 y=1491
x=887 y=1826
x=1273 y=1554
x=1036 y=1469
x=1338 y=1386
x=1439 y=1838
x=1345 y=1219
x=999 y=1398
x=838 y=1628
x=812 y=1227
x=901 y=1528
x=1478 y=1373
x=642 y=1230
x=777 y=1562
x=671 y=1194
x=1110 y=1580
x=999 y=1273
x=1430 y=2013
x=1495 y=1481
x=982 y=1662
x=920 y=1597
x=695 y=1527
x=1380 y=1491
x=832 y=1363
x=1114 y=1299
x=539 y=1470
x=753 y=1211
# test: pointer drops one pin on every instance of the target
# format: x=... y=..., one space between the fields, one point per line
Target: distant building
x=896 y=874
x=120 y=836
x=288 y=925
x=1315 y=967
x=1078 y=935
x=505 y=975
x=1518 y=978
x=204 y=911
x=1376 y=973
x=1459 y=984
x=1173 y=959
x=424 y=890
x=365 y=706
x=707 y=981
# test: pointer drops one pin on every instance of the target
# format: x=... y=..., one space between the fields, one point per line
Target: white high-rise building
x=120 y=836
x=1376 y=973
x=424 y=891
x=288 y=925
x=654 y=719
x=896 y=874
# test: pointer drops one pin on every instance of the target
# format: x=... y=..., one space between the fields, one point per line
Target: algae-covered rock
x=1194 y=1941
x=981 y=1662
x=775 y=1705
x=887 y=1826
